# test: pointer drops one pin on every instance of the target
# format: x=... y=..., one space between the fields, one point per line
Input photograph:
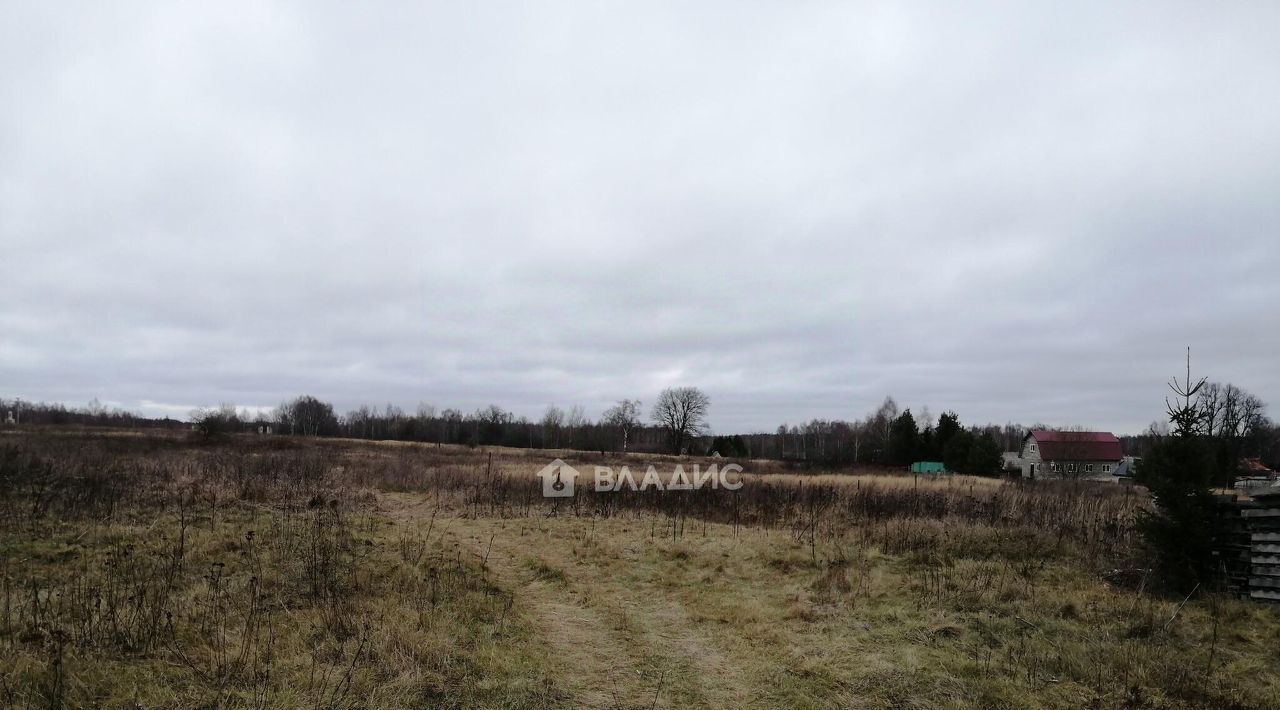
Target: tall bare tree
x=552 y=421
x=1235 y=423
x=308 y=416
x=623 y=416
x=877 y=428
x=574 y=422
x=682 y=412
x=1228 y=412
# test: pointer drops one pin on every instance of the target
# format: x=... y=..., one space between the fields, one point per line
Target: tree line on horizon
x=677 y=423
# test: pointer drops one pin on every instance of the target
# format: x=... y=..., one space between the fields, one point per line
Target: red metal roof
x=1077 y=445
x=1253 y=467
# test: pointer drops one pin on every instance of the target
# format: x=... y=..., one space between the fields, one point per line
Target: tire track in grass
x=694 y=670
x=596 y=668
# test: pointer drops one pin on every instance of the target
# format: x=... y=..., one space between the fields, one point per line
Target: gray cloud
x=1020 y=212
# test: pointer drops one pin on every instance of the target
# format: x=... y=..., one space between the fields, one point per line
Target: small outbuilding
x=928 y=467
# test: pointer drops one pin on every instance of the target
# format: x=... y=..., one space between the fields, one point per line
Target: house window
x=1071 y=468
x=1088 y=468
x=1106 y=468
x=1055 y=467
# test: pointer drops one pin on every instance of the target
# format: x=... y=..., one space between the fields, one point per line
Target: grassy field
x=155 y=571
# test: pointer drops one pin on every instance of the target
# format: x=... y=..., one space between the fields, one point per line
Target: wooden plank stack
x=1251 y=557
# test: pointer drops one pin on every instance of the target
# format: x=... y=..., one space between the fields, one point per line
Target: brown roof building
x=1070 y=454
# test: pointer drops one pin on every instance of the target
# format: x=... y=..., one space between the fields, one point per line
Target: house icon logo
x=558 y=479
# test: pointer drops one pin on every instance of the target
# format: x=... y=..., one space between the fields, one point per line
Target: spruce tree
x=1183 y=531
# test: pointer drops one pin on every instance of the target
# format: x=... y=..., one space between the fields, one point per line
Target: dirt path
x=598 y=666
x=622 y=647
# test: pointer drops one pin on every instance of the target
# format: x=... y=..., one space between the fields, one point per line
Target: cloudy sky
x=1019 y=212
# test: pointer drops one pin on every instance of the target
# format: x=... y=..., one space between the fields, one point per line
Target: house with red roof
x=1070 y=454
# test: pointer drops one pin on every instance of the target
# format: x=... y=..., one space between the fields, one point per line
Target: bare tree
x=682 y=412
x=309 y=416
x=552 y=420
x=574 y=422
x=876 y=428
x=422 y=424
x=1228 y=412
x=624 y=416
x=1157 y=429
x=1233 y=420
x=359 y=422
x=216 y=421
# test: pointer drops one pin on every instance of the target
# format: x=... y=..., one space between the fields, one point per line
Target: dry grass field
x=154 y=571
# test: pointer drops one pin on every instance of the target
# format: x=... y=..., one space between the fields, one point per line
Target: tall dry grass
x=261 y=572
x=143 y=573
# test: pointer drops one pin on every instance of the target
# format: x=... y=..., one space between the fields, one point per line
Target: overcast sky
x=1023 y=213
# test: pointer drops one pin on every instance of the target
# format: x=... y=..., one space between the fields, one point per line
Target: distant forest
x=888 y=436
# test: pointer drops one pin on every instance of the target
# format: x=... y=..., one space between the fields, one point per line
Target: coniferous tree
x=1185 y=527
x=903 y=439
x=955 y=454
x=928 y=445
x=984 y=456
x=948 y=427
